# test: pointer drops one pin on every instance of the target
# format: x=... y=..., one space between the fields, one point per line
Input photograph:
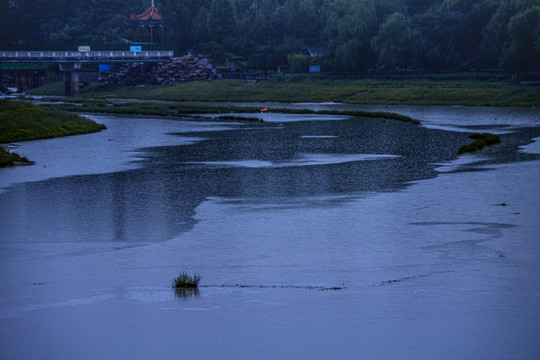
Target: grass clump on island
x=480 y=140
x=8 y=158
x=184 y=281
x=20 y=121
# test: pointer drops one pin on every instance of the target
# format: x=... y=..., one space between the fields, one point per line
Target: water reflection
x=118 y=209
x=186 y=293
x=275 y=164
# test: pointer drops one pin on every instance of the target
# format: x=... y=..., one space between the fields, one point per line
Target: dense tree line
x=357 y=35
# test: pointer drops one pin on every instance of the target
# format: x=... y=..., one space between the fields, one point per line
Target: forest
x=338 y=35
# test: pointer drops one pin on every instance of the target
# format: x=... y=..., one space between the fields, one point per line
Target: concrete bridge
x=70 y=62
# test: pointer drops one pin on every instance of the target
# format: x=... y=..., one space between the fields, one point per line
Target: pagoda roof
x=150 y=15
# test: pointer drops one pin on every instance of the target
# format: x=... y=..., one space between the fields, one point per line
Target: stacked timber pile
x=185 y=68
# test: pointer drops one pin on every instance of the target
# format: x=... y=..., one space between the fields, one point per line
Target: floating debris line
x=394 y=281
x=307 y=287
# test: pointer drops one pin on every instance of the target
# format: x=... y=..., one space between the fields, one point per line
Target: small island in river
x=20 y=121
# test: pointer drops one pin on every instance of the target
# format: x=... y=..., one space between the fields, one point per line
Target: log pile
x=185 y=68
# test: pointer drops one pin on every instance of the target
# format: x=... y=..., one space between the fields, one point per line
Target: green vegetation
x=480 y=140
x=473 y=95
x=21 y=121
x=238 y=118
x=455 y=89
x=196 y=111
x=8 y=158
x=149 y=108
x=349 y=35
x=184 y=281
x=369 y=114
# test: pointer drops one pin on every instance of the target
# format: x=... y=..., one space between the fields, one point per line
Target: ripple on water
x=302 y=160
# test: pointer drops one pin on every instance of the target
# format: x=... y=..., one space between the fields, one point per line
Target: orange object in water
x=265 y=109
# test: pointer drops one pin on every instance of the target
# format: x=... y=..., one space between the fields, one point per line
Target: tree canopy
x=357 y=35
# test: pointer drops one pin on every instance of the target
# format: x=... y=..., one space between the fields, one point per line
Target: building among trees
x=151 y=18
x=360 y=35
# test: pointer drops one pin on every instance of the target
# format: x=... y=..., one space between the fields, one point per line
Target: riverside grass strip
x=188 y=110
x=485 y=96
x=454 y=89
x=20 y=121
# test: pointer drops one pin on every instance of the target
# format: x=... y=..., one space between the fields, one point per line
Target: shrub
x=184 y=281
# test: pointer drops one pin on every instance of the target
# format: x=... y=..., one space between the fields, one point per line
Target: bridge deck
x=90 y=56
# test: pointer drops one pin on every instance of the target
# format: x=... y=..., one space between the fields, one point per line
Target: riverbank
x=455 y=89
x=20 y=121
x=195 y=111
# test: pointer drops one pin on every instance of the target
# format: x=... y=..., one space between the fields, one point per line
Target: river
x=317 y=237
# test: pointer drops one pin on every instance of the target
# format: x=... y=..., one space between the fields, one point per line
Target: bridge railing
x=81 y=56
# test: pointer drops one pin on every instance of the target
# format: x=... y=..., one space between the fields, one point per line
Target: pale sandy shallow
x=437 y=270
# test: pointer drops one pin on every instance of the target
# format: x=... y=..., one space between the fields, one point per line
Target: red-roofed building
x=152 y=18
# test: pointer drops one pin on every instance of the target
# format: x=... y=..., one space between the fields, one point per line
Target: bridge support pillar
x=75 y=83
x=67 y=83
x=71 y=78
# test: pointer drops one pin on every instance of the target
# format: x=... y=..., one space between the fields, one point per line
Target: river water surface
x=317 y=237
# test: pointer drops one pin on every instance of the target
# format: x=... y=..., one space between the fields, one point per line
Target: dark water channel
x=262 y=163
x=435 y=254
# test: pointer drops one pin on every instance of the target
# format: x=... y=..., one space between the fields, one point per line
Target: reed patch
x=185 y=281
x=480 y=141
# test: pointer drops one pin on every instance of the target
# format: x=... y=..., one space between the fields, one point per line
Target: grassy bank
x=8 y=158
x=190 y=110
x=457 y=89
x=20 y=121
